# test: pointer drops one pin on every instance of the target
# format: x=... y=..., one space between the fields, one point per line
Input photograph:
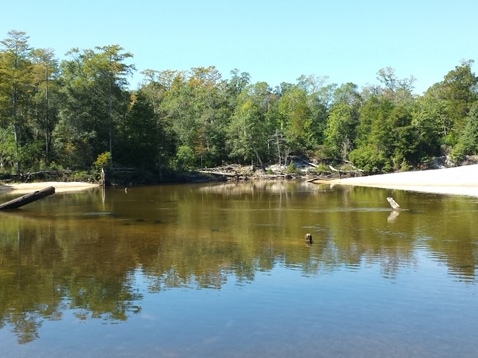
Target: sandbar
x=450 y=181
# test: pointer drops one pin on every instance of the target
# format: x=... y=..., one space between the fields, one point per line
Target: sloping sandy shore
x=59 y=187
x=454 y=181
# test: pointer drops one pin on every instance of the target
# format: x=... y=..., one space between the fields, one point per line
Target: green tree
x=110 y=63
x=236 y=84
x=431 y=124
x=177 y=108
x=252 y=124
x=404 y=145
x=15 y=88
x=386 y=138
x=211 y=113
x=319 y=100
x=45 y=99
x=139 y=135
x=373 y=147
x=468 y=141
x=184 y=159
x=296 y=120
x=343 y=119
x=458 y=91
x=156 y=89
x=94 y=98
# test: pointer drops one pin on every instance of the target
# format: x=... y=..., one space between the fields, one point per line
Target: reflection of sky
x=280 y=312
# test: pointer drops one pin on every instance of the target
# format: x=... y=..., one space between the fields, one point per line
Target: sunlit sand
x=59 y=186
x=455 y=181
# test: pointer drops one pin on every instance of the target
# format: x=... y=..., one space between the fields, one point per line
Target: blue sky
x=273 y=40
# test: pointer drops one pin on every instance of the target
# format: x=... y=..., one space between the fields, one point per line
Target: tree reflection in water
x=54 y=258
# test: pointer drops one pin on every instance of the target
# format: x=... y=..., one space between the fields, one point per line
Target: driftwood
x=27 y=199
x=394 y=204
x=341 y=171
x=222 y=174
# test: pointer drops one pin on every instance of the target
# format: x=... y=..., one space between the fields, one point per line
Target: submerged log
x=28 y=198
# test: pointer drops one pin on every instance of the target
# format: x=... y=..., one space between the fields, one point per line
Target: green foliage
x=296 y=120
x=7 y=149
x=84 y=176
x=252 y=125
x=371 y=159
x=291 y=169
x=468 y=141
x=30 y=155
x=322 y=168
x=341 y=129
x=102 y=160
x=184 y=159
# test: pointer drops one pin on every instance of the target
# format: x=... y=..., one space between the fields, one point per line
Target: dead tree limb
x=27 y=199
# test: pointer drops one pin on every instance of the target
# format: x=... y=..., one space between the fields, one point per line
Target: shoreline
x=449 y=181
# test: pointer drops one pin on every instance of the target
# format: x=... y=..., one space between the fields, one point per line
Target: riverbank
x=20 y=188
x=452 y=181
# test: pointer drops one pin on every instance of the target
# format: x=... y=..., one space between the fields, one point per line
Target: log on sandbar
x=27 y=199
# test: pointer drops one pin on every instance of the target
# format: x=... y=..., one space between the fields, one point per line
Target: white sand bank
x=454 y=181
x=59 y=187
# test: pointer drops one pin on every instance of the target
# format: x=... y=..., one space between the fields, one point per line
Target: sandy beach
x=451 y=181
x=60 y=187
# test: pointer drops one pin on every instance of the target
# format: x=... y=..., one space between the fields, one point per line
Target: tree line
x=79 y=114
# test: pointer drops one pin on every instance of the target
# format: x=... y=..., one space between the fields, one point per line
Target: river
x=222 y=270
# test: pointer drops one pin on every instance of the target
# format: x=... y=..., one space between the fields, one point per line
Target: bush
x=291 y=169
x=322 y=168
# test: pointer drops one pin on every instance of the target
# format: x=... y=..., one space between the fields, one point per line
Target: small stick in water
x=308 y=238
x=393 y=204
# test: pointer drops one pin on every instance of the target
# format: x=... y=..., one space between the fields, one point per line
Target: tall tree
x=343 y=120
x=139 y=135
x=319 y=101
x=459 y=91
x=211 y=112
x=112 y=64
x=94 y=98
x=373 y=146
x=251 y=125
x=45 y=72
x=296 y=120
x=15 y=86
x=431 y=123
x=468 y=142
x=156 y=88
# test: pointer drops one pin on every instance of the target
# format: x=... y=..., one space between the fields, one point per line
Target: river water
x=222 y=270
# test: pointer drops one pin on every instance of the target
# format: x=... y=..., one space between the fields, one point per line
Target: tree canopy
x=67 y=114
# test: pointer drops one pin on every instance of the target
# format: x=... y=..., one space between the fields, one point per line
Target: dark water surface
x=223 y=271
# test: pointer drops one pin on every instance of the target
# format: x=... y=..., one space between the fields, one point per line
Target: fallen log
x=28 y=198
x=221 y=174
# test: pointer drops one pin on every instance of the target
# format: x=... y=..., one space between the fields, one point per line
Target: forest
x=79 y=115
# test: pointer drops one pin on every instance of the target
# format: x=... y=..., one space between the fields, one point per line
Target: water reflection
x=82 y=253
